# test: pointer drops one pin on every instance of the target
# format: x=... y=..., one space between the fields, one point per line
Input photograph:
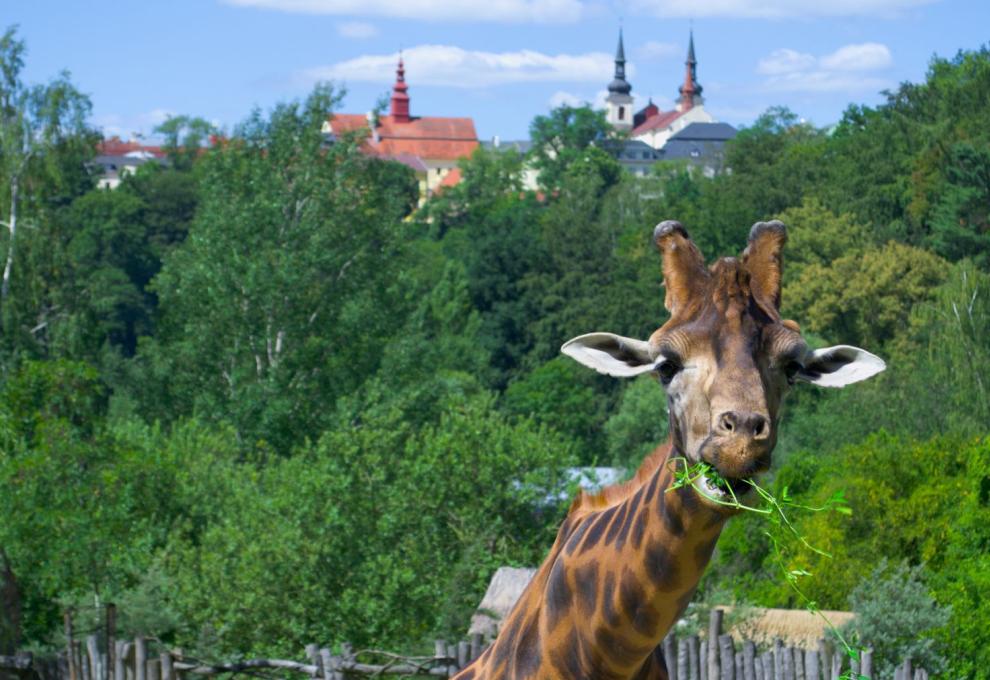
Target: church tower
x=400 y=96
x=618 y=104
x=691 y=90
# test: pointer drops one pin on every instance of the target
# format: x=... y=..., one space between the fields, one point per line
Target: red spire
x=400 y=100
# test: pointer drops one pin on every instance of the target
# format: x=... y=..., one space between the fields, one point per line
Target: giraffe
x=626 y=561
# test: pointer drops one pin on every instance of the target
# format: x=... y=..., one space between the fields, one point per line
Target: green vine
x=686 y=474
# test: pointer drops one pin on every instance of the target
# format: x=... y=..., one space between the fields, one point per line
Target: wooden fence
x=716 y=657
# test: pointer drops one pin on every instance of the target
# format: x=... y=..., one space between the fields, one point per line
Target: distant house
x=687 y=132
x=702 y=145
x=430 y=145
x=116 y=158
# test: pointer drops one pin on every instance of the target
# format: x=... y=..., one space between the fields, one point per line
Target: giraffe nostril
x=728 y=422
x=758 y=427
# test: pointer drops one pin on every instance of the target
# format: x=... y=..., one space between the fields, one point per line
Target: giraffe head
x=725 y=357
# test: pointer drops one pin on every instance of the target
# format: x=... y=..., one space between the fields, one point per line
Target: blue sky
x=501 y=62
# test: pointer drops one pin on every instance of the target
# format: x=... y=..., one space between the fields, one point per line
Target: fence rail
x=716 y=657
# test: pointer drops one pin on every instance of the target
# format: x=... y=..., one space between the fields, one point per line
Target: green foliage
x=564 y=138
x=376 y=534
x=290 y=257
x=258 y=399
x=896 y=615
x=638 y=424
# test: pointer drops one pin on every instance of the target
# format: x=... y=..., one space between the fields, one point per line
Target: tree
x=185 y=137
x=37 y=124
x=895 y=615
x=278 y=301
x=560 y=138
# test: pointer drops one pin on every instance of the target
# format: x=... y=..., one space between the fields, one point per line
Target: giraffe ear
x=763 y=259
x=684 y=271
x=839 y=366
x=611 y=354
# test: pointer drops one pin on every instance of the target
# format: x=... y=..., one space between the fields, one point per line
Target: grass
x=773 y=508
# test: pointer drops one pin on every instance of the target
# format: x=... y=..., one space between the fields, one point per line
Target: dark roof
x=705 y=132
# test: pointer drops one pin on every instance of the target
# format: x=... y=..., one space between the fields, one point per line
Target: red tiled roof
x=661 y=120
x=115 y=146
x=428 y=137
x=452 y=178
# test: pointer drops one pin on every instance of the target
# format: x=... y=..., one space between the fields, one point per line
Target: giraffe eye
x=791 y=370
x=667 y=370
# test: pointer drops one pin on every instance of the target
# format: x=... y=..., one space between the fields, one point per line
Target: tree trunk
x=12 y=227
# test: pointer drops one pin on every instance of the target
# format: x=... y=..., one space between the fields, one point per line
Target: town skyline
x=500 y=63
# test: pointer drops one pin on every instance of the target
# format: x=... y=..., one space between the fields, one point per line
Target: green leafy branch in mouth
x=687 y=474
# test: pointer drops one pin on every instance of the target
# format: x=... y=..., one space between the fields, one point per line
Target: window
x=622 y=113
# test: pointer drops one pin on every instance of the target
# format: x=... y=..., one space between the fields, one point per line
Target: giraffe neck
x=625 y=574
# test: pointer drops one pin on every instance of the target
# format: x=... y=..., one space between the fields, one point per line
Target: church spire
x=400 y=97
x=619 y=84
x=691 y=89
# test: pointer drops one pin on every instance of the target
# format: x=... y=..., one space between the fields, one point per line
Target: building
x=430 y=145
x=686 y=133
x=116 y=158
x=702 y=145
x=655 y=127
x=618 y=103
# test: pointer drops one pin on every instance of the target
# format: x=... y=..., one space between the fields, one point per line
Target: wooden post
x=93 y=654
x=758 y=668
x=811 y=665
x=703 y=666
x=778 y=660
x=168 y=672
x=463 y=654
x=825 y=659
x=111 y=639
x=906 y=671
x=670 y=656
x=854 y=666
x=694 y=658
x=477 y=644
x=727 y=658
x=682 y=660
x=866 y=665
x=714 y=630
x=70 y=648
x=127 y=658
x=154 y=669
x=140 y=658
x=769 y=672
x=749 y=660
x=313 y=654
x=739 y=665
x=787 y=661
x=327 y=662
x=798 y=663
x=836 y=666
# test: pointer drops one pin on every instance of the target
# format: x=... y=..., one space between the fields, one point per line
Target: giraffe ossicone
x=626 y=561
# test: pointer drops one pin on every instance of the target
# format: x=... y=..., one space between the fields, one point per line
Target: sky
x=500 y=62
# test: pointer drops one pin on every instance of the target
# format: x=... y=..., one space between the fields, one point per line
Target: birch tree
x=277 y=301
x=38 y=123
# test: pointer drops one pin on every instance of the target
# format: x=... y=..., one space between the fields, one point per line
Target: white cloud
x=561 y=98
x=357 y=30
x=785 y=61
x=510 y=11
x=775 y=9
x=788 y=70
x=452 y=66
x=656 y=51
x=865 y=57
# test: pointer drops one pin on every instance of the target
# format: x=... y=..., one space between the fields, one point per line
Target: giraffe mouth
x=723 y=489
